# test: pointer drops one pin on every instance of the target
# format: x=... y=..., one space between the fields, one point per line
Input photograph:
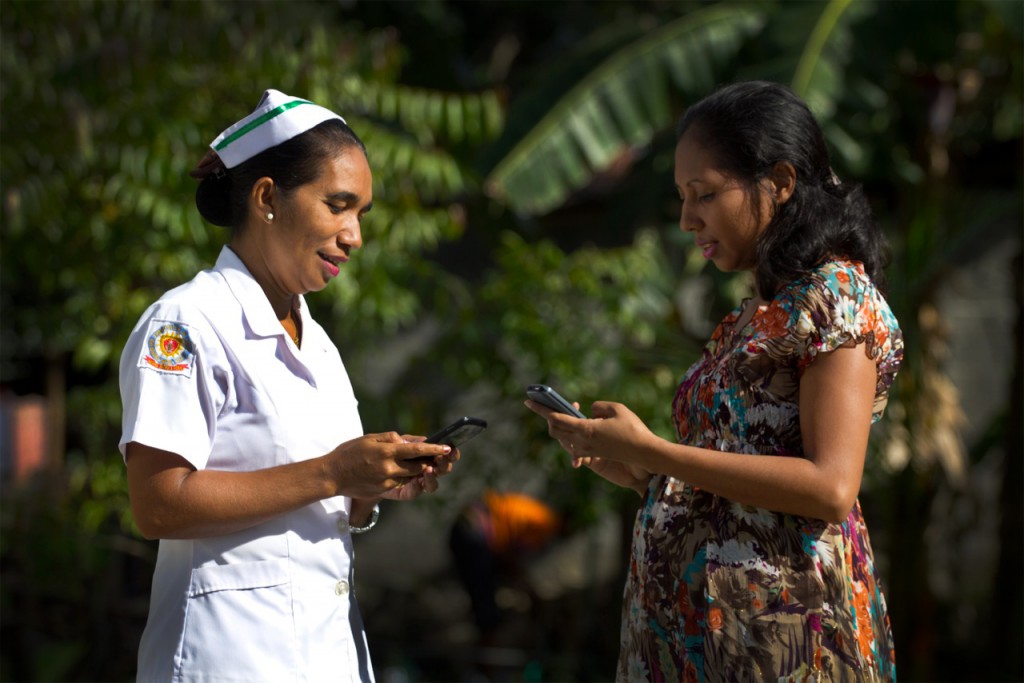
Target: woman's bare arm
x=836 y=400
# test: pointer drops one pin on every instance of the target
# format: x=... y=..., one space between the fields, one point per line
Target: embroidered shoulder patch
x=169 y=348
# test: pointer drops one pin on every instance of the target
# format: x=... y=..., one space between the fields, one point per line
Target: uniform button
x=341 y=588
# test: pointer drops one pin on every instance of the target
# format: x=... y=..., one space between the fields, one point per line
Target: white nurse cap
x=277 y=118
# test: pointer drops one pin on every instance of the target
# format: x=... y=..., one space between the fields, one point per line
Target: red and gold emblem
x=170 y=348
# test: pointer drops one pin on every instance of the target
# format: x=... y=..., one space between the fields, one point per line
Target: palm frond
x=622 y=103
x=820 y=73
x=430 y=115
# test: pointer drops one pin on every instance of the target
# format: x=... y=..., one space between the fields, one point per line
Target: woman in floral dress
x=751 y=560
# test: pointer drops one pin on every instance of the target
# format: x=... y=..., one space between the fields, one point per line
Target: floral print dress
x=720 y=591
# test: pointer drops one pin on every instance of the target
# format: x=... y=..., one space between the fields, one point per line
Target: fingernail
x=447 y=449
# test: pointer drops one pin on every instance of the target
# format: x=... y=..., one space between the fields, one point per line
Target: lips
x=333 y=260
x=707 y=248
x=332 y=264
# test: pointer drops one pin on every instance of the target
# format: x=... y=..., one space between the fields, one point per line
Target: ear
x=782 y=181
x=262 y=197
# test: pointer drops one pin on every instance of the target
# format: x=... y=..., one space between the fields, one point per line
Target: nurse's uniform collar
x=258 y=311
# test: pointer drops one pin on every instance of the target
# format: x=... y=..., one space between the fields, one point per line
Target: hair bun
x=213 y=199
x=210 y=164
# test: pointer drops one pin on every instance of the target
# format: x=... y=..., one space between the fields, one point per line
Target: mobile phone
x=548 y=397
x=458 y=432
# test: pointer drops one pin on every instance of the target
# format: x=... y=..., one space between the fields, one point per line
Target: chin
x=733 y=266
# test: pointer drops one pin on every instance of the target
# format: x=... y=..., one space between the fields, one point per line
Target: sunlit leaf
x=594 y=117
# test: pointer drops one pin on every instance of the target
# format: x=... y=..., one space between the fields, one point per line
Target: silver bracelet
x=374 y=516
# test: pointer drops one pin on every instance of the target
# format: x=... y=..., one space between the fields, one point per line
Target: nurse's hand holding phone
x=435 y=464
x=611 y=443
x=382 y=465
x=449 y=437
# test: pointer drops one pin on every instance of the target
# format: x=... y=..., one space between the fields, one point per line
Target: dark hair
x=222 y=198
x=748 y=128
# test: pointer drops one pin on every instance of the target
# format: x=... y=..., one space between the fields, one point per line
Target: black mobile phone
x=458 y=432
x=548 y=397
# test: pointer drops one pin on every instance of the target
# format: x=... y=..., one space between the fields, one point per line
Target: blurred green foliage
x=524 y=230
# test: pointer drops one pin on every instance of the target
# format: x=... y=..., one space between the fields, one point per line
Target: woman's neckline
x=749 y=308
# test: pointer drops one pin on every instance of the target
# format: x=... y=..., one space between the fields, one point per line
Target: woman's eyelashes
x=340 y=209
x=703 y=198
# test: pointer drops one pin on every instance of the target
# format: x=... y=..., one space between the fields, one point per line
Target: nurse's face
x=725 y=217
x=317 y=225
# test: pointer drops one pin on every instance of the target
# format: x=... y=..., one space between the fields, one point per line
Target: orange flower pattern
x=719 y=591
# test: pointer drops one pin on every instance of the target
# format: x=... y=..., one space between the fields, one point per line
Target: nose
x=687 y=219
x=351 y=235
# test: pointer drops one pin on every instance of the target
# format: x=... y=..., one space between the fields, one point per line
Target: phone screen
x=546 y=396
x=458 y=432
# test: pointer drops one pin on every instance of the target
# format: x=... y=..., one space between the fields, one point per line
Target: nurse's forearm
x=171 y=500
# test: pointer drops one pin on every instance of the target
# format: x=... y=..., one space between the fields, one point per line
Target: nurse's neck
x=283 y=301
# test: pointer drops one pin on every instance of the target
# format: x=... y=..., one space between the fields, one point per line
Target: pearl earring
x=270 y=216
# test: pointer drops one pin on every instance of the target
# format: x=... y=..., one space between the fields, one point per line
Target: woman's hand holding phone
x=550 y=405
x=613 y=429
x=549 y=398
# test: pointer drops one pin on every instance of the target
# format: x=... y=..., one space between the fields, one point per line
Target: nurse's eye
x=705 y=198
x=366 y=210
x=335 y=209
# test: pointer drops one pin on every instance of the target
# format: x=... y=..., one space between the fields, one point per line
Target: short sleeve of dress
x=837 y=305
x=169 y=400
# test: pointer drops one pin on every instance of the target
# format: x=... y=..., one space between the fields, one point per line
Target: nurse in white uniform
x=241 y=435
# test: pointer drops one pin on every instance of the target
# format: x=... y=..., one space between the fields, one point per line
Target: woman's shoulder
x=836 y=275
x=195 y=305
x=204 y=293
x=833 y=282
x=835 y=303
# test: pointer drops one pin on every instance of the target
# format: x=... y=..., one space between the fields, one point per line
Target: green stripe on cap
x=277 y=111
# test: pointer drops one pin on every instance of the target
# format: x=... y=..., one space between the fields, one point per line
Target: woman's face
x=317 y=225
x=724 y=217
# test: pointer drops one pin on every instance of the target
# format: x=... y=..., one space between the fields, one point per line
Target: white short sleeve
x=168 y=393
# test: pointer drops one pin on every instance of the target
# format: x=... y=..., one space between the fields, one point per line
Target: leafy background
x=524 y=230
